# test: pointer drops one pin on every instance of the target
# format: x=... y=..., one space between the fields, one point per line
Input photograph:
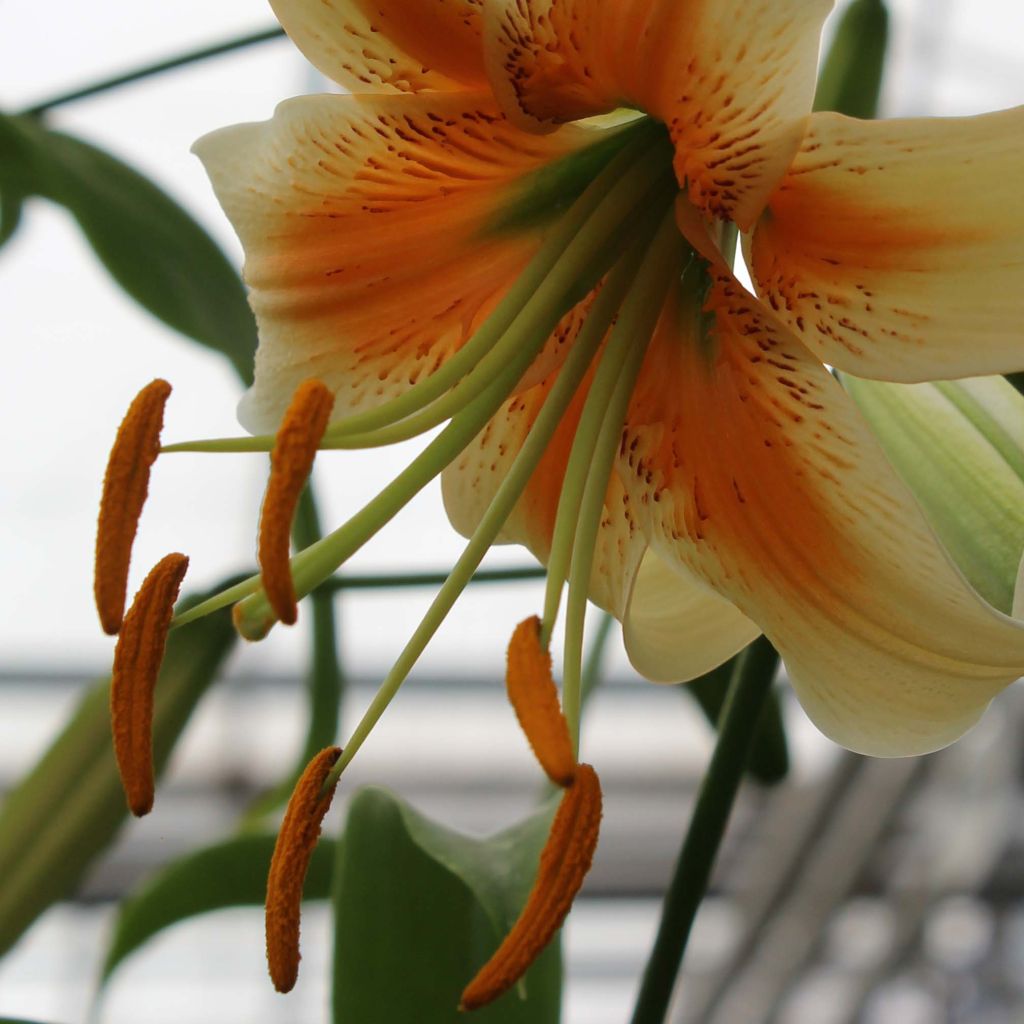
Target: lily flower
x=520 y=224
x=435 y=245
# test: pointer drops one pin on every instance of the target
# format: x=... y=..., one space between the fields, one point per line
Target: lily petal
x=470 y=482
x=429 y=179
x=381 y=45
x=895 y=249
x=677 y=628
x=750 y=466
x=733 y=80
x=965 y=468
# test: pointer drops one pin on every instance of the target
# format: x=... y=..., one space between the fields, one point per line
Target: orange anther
x=291 y=460
x=564 y=862
x=125 y=486
x=296 y=841
x=532 y=691
x=137 y=658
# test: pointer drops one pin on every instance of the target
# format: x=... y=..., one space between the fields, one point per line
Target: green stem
x=149 y=70
x=380 y=581
x=326 y=680
x=593 y=666
x=751 y=682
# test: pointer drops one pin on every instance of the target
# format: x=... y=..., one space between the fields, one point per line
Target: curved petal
x=962 y=466
x=376 y=235
x=471 y=481
x=750 y=466
x=733 y=80
x=895 y=249
x=677 y=628
x=381 y=45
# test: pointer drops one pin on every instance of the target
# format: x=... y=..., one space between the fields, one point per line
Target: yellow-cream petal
x=382 y=45
x=895 y=249
x=733 y=80
x=368 y=227
x=749 y=465
x=676 y=628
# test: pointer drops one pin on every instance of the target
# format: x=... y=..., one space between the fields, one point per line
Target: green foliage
x=155 y=251
x=230 y=874
x=419 y=908
x=70 y=805
x=851 y=77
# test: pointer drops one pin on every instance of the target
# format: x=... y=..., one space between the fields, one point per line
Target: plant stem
x=149 y=70
x=384 y=581
x=750 y=685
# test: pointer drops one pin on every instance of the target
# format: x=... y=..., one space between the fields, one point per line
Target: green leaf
x=419 y=908
x=959 y=446
x=70 y=806
x=151 y=246
x=12 y=200
x=851 y=77
x=230 y=874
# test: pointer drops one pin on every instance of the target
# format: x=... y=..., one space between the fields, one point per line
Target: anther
x=137 y=658
x=564 y=862
x=125 y=486
x=296 y=841
x=291 y=460
x=532 y=692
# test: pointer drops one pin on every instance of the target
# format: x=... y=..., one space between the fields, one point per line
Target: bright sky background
x=77 y=350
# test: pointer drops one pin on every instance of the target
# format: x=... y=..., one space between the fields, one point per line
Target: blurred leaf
x=851 y=77
x=70 y=806
x=231 y=874
x=419 y=909
x=12 y=200
x=768 y=761
x=151 y=246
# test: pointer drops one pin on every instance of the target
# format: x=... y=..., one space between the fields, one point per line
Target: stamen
x=300 y=829
x=590 y=461
x=137 y=658
x=290 y=463
x=564 y=863
x=532 y=692
x=125 y=486
x=599 y=318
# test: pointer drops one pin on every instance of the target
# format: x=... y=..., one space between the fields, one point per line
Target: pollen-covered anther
x=532 y=692
x=564 y=863
x=137 y=658
x=125 y=486
x=296 y=841
x=291 y=460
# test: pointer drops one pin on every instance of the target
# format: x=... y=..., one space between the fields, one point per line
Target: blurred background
x=858 y=891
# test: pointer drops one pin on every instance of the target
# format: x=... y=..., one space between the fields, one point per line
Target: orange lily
x=479 y=236
x=407 y=245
